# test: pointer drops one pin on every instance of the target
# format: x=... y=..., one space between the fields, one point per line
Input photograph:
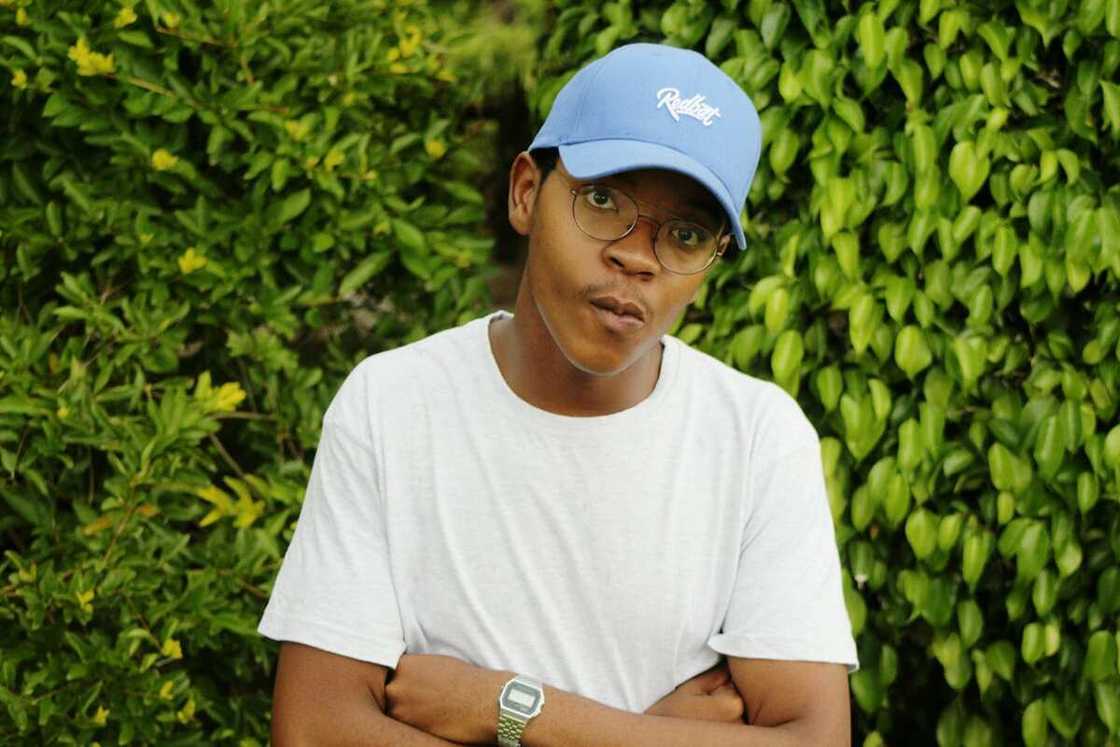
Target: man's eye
x=689 y=236
x=600 y=198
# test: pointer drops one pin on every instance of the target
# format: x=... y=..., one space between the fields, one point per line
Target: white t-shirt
x=613 y=556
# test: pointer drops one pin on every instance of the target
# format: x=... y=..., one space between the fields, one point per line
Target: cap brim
x=598 y=158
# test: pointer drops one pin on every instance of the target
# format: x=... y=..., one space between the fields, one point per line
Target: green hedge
x=934 y=270
x=209 y=212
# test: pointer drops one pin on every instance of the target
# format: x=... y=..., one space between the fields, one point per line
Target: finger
x=716 y=677
x=712 y=678
x=728 y=703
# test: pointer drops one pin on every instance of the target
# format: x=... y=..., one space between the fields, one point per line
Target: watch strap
x=509 y=731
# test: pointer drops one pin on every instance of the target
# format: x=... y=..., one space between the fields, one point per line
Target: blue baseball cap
x=652 y=106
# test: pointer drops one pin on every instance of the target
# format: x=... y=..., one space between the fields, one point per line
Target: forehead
x=670 y=190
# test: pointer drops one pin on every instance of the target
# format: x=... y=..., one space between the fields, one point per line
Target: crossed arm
x=326 y=699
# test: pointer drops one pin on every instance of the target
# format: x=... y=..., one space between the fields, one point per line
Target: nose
x=634 y=252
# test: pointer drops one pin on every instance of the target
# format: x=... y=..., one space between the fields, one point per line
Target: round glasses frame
x=721 y=237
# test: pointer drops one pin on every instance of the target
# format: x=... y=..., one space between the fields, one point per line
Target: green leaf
x=863 y=319
x=1034 y=643
x=1111 y=96
x=968 y=168
x=410 y=237
x=911 y=352
x=1050 y=447
x=1034 y=551
x=921 y=532
x=718 y=36
x=777 y=310
x=1045 y=592
x=785 y=361
x=1088 y=491
x=829 y=385
x=783 y=150
x=1106 y=695
x=872 y=38
x=970 y=621
x=846 y=246
x=281 y=213
x=978 y=545
x=1036 y=730
x=1100 y=658
x=366 y=269
x=896 y=503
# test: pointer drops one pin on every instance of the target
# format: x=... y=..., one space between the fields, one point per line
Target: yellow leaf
x=190 y=261
x=394 y=54
x=229 y=396
x=398 y=68
x=216 y=496
x=124 y=17
x=296 y=130
x=171 y=20
x=19 y=79
x=97 y=525
x=334 y=158
x=186 y=713
x=90 y=62
x=147 y=510
x=223 y=506
x=84 y=599
x=165 y=691
x=162 y=160
x=248 y=511
x=211 y=517
x=62 y=412
x=101 y=715
x=435 y=148
x=21 y=17
x=172 y=649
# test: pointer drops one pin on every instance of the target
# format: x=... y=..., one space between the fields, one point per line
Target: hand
x=445 y=697
x=709 y=696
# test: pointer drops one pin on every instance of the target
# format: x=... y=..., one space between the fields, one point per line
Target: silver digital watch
x=520 y=701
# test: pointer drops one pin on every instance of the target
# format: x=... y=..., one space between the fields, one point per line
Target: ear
x=524 y=186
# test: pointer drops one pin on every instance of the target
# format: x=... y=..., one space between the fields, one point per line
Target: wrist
x=492 y=683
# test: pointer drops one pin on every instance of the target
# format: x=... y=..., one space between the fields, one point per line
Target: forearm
x=569 y=720
x=351 y=727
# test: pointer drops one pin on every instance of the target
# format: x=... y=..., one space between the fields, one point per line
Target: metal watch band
x=509 y=731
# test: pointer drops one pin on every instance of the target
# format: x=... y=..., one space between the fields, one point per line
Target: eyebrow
x=698 y=209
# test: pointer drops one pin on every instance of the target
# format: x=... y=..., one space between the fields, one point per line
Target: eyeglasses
x=608 y=214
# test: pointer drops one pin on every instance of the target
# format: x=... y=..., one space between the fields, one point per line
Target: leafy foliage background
x=209 y=213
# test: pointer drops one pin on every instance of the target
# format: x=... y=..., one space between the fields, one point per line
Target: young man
x=563 y=514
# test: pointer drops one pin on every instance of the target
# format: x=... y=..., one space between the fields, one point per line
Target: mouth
x=617 y=317
x=619 y=307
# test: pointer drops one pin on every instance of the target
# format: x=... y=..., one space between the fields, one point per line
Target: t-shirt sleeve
x=788 y=601
x=334 y=590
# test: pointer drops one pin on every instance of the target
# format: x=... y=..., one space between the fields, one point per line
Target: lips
x=620 y=306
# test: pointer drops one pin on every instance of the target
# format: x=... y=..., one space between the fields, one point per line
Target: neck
x=539 y=373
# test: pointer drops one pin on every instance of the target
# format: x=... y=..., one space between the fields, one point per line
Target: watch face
x=520 y=699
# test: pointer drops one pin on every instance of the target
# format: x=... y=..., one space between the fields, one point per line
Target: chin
x=603 y=357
